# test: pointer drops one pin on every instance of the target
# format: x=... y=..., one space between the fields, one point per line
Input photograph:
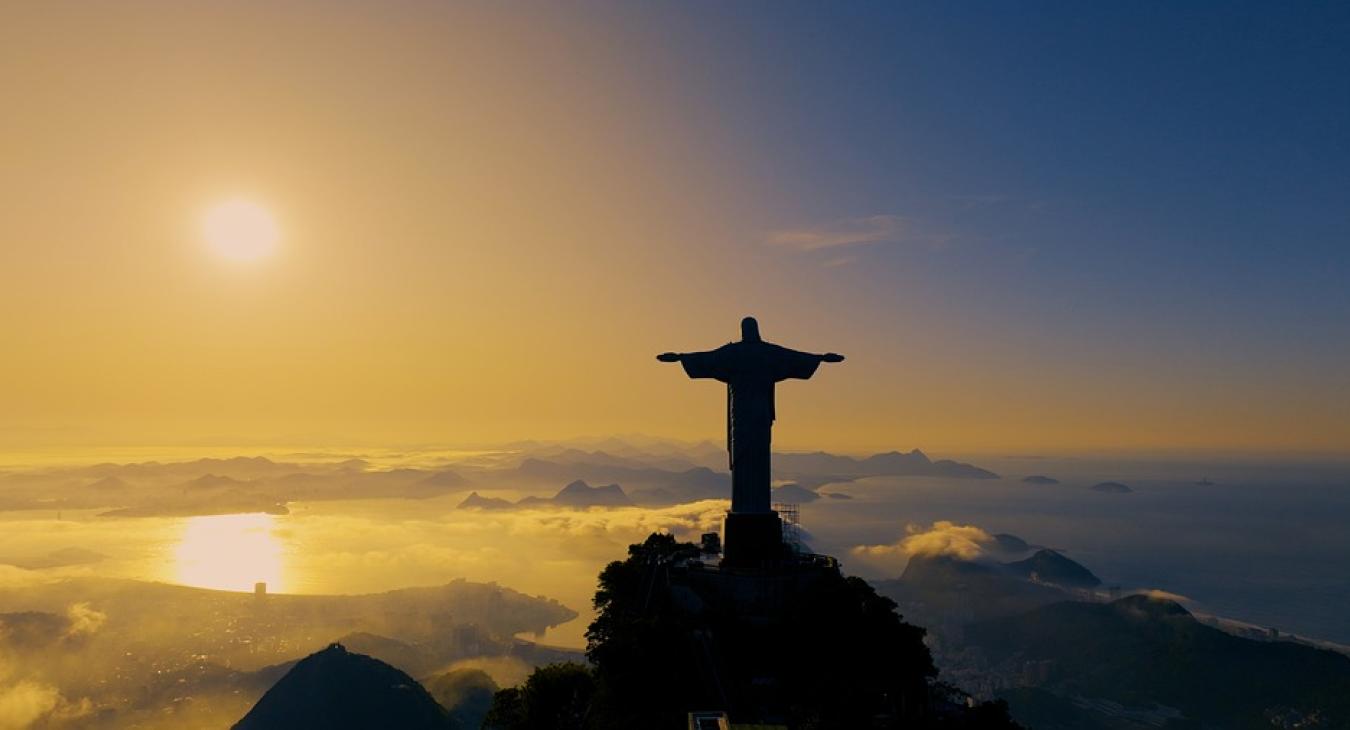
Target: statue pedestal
x=752 y=540
x=738 y=625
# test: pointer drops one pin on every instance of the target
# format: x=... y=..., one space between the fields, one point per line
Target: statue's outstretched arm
x=831 y=357
x=699 y=364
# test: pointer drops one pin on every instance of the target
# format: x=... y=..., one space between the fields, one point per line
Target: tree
x=554 y=697
x=831 y=653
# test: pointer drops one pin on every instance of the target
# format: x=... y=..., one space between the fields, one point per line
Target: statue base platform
x=740 y=623
x=752 y=540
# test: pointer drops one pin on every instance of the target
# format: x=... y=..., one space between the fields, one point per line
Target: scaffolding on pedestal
x=792 y=521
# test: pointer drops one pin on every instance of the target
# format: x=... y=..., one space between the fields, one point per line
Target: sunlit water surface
x=231 y=553
x=1271 y=552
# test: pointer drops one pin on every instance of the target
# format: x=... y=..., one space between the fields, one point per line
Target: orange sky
x=491 y=221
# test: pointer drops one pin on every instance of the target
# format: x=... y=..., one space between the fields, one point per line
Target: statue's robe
x=750 y=370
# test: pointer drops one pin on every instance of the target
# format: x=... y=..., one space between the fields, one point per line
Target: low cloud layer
x=30 y=644
x=84 y=620
x=1158 y=594
x=26 y=702
x=966 y=542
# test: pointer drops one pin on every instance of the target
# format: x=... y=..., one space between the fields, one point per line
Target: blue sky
x=1145 y=167
x=1165 y=184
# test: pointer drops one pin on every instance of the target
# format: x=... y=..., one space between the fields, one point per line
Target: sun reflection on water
x=230 y=553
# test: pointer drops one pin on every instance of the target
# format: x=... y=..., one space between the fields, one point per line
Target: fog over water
x=1262 y=544
x=358 y=546
x=330 y=532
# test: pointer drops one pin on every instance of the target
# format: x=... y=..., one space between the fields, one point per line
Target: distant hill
x=1048 y=566
x=651 y=473
x=109 y=483
x=577 y=494
x=986 y=588
x=417 y=484
x=444 y=479
x=478 y=501
x=1112 y=487
x=891 y=463
x=794 y=494
x=946 y=592
x=1143 y=652
x=656 y=496
x=670 y=456
x=679 y=486
x=212 y=481
x=581 y=494
x=655 y=485
x=334 y=689
x=1134 y=664
x=216 y=502
x=1006 y=543
x=1039 y=479
x=243 y=467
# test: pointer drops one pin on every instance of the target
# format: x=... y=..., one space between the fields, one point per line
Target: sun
x=240 y=230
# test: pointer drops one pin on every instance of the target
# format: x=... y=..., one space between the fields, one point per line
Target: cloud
x=842 y=232
x=515 y=546
x=506 y=671
x=552 y=552
x=84 y=620
x=1158 y=594
x=942 y=538
x=25 y=702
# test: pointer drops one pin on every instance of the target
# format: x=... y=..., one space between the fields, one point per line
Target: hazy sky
x=1030 y=227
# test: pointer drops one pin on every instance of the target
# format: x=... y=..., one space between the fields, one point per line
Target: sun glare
x=230 y=553
x=240 y=230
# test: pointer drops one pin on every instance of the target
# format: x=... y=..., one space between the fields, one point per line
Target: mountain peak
x=336 y=689
x=214 y=480
x=1151 y=605
x=445 y=478
x=1049 y=566
x=581 y=494
x=478 y=501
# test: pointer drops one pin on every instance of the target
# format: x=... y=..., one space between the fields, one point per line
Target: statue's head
x=749 y=330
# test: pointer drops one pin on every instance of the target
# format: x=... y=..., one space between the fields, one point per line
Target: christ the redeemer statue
x=750 y=368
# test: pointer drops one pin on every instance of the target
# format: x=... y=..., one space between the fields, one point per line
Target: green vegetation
x=834 y=655
x=1139 y=651
x=554 y=697
x=465 y=693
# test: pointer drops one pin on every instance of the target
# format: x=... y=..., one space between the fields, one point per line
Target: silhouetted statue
x=750 y=368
